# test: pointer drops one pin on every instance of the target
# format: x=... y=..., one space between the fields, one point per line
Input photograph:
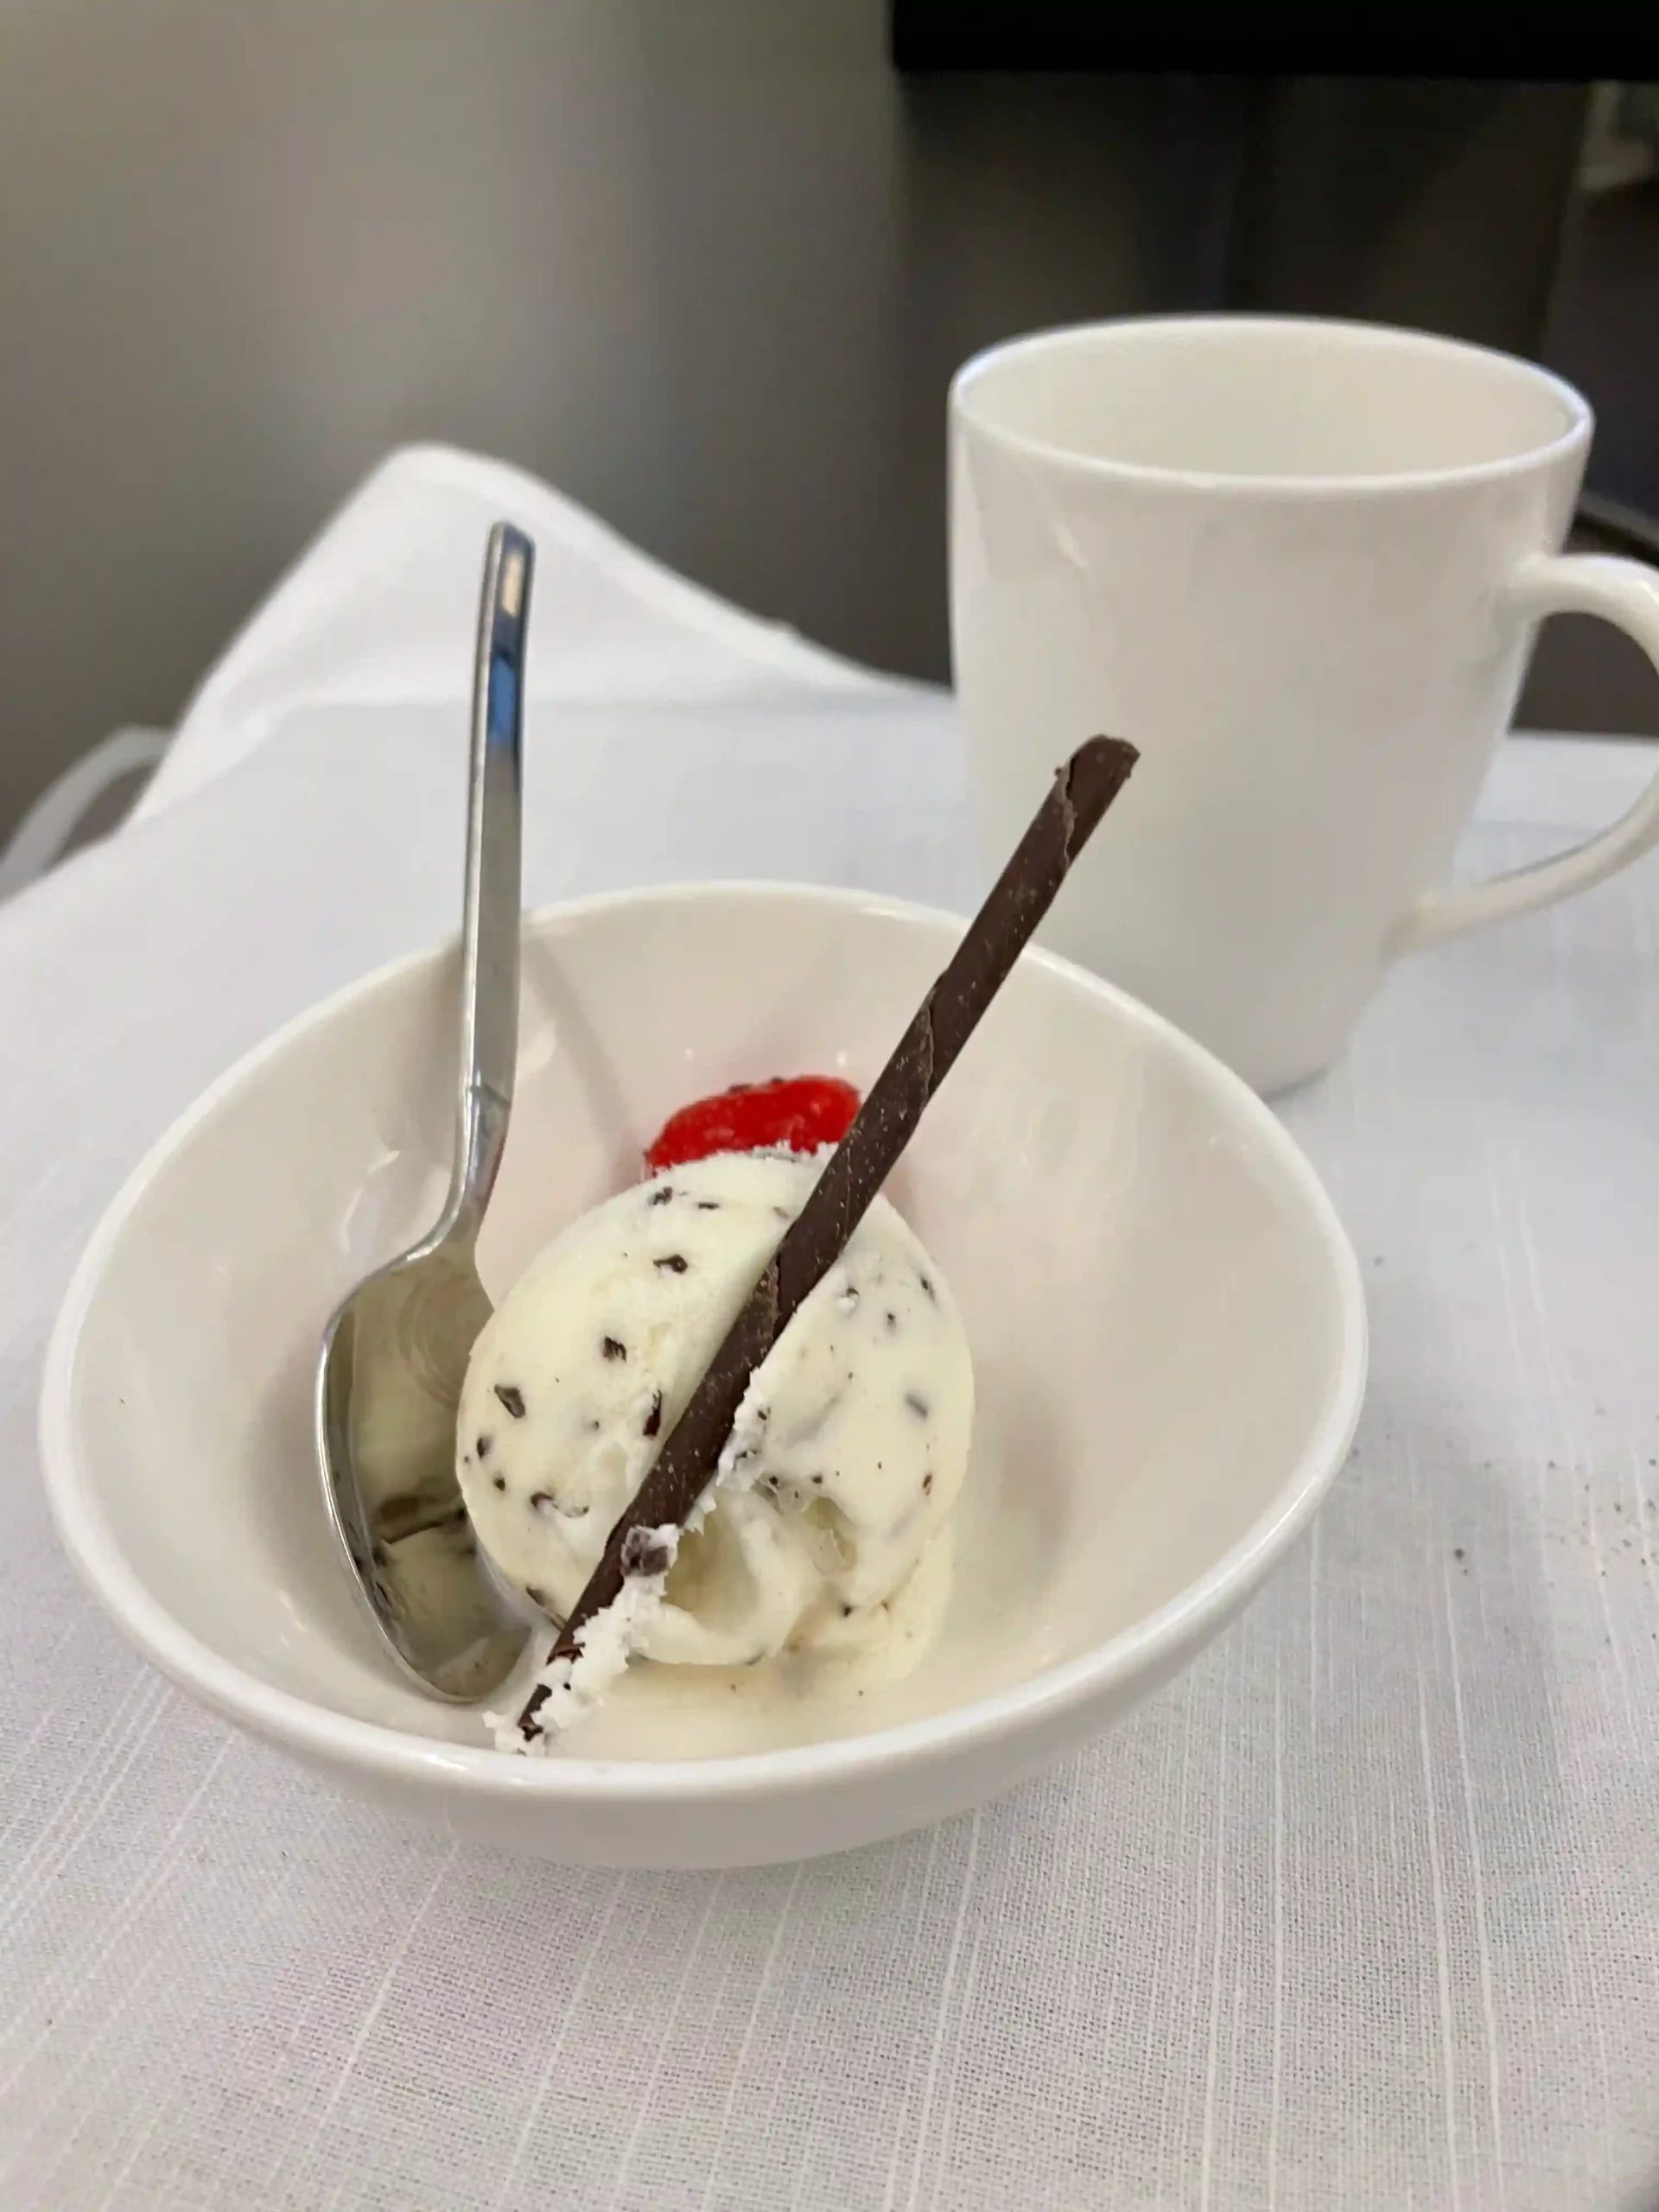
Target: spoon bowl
x=393 y=1359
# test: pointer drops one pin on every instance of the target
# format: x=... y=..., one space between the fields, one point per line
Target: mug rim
x=1574 y=436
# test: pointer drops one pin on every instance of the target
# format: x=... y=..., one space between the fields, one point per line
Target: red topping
x=801 y=1111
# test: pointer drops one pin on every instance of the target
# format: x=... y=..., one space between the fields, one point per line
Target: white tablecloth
x=1363 y=1911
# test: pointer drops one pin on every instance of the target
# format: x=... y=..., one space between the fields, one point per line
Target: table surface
x=1362 y=1911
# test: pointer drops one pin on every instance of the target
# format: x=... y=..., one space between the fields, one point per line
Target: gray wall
x=704 y=263
x=647 y=250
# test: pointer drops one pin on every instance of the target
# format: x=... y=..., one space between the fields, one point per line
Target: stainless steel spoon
x=395 y=1353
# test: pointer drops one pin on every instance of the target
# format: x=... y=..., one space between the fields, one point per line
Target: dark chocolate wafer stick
x=1082 y=790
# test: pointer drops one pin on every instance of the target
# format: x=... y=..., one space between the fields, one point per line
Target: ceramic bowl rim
x=319 y=1732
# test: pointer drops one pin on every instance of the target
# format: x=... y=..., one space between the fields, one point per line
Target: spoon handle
x=490 y=929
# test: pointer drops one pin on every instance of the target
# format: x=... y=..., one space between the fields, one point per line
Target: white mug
x=1301 y=565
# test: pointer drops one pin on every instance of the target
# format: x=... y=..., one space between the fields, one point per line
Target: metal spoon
x=395 y=1353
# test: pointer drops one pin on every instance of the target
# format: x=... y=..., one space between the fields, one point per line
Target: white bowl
x=1166 y=1320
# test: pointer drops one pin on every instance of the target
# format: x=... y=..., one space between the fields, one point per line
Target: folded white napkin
x=381 y=605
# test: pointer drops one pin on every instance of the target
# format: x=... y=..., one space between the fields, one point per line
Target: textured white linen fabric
x=1362 y=1911
x=382 y=605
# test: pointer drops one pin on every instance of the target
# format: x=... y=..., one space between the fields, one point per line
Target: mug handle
x=1625 y=593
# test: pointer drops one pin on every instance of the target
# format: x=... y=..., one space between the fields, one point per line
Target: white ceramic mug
x=1301 y=565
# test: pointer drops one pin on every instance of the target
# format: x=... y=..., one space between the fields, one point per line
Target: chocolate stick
x=1082 y=791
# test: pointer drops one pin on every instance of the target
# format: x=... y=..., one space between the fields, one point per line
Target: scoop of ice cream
x=829 y=1531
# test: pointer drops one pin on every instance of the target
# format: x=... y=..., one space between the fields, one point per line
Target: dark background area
x=1603 y=334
